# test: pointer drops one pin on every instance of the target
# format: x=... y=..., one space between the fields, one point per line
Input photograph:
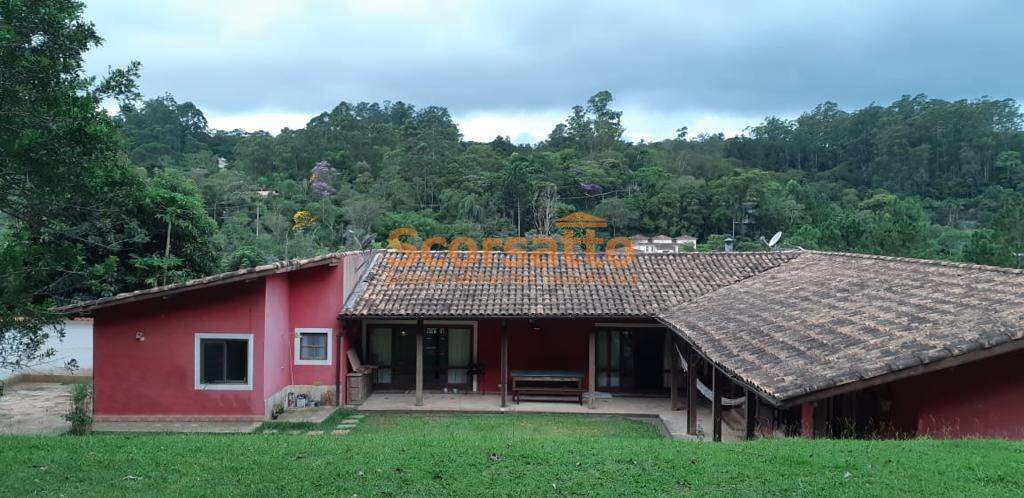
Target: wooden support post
x=338 y=373
x=807 y=420
x=592 y=368
x=717 y=385
x=691 y=393
x=419 y=363
x=750 y=405
x=592 y=362
x=341 y=366
x=673 y=371
x=504 y=364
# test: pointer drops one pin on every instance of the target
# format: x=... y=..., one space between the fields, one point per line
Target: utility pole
x=519 y=219
x=260 y=194
x=167 y=246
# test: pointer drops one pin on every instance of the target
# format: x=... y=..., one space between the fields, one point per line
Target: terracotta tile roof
x=824 y=320
x=217 y=279
x=494 y=287
x=789 y=323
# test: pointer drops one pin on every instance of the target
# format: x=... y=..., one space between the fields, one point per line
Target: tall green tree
x=77 y=210
x=60 y=168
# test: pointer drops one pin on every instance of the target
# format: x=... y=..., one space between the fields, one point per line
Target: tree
x=61 y=180
x=895 y=226
x=25 y=326
x=605 y=122
x=245 y=257
x=162 y=131
x=188 y=248
x=618 y=213
x=589 y=129
x=83 y=222
x=984 y=248
x=1010 y=168
x=545 y=208
x=515 y=185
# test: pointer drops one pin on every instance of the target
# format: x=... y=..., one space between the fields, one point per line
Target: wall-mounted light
x=139 y=336
x=534 y=326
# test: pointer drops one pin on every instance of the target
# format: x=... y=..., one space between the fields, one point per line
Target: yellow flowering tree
x=302 y=220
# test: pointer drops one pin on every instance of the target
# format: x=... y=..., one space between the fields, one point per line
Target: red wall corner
x=807 y=420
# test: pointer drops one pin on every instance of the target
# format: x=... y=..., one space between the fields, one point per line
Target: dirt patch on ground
x=35 y=408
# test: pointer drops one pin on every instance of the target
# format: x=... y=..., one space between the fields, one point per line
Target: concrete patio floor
x=674 y=422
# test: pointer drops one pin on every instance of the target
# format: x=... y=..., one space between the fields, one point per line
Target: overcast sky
x=515 y=68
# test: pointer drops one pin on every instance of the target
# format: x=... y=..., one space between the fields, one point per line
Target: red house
x=822 y=344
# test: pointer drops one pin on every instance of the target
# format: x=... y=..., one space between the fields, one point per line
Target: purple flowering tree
x=320 y=178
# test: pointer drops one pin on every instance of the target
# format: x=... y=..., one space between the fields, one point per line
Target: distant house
x=663 y=244
x=686 y=240
x=640 y=242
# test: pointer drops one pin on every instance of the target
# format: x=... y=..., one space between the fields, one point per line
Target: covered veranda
x=493 y=332
x=634 y=368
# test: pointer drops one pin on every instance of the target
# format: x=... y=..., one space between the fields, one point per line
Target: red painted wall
x=315 y=299
x=157 y=376
x=277 y=341
x=558 y=345
x=979 y=399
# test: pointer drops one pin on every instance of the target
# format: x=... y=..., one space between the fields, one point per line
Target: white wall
x=77 y=344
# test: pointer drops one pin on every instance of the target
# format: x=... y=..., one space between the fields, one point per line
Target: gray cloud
x=726 y=58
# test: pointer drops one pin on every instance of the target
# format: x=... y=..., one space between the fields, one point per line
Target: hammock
x=703 y=389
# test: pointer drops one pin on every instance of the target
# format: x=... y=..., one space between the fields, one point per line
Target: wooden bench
x=546 y=383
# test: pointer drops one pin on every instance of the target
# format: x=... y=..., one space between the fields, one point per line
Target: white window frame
x=223 y=387
x=298 y=346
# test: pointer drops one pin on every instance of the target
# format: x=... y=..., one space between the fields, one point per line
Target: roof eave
x=905 y=373
x=207 y=282
x=761 y=393
x=462 y=316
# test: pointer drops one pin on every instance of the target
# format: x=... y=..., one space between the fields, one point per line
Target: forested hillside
x=93 y=204
x=920 y=177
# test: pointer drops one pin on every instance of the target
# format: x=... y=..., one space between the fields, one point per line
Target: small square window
x=313 y=346
x=224 y=361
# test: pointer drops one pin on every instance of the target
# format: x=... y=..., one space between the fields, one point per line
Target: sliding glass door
x=460 y=355
x=631 y=359
x=447 y=354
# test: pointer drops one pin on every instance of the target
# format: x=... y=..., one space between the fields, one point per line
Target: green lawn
x=524 y=455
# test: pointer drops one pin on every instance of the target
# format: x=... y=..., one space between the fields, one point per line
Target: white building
x=76 y=345
x=663 y=243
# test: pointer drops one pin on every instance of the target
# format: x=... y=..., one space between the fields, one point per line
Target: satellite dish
x=775 y=239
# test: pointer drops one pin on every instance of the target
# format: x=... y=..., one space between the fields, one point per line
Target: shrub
x=80 y=415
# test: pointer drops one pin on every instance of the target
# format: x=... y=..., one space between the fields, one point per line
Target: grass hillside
x=501 y=455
